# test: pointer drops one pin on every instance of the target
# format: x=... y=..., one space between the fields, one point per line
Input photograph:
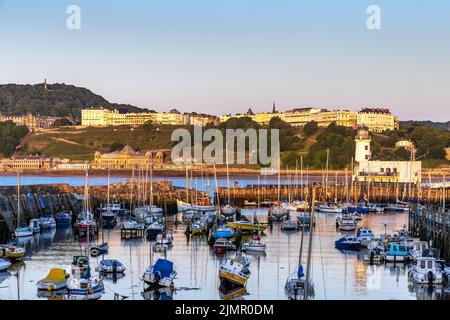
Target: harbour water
x=336 y=274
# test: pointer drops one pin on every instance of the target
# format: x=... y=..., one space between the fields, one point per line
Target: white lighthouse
x=362 y=146
x=367 y=170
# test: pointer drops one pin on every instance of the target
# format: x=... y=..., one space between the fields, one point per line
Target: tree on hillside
x=310 y=128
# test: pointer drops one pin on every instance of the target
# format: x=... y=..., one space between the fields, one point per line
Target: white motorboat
x=254 y=245
x=35 y=225
x=347 y=224
x=426 y=271
x=365 y=236
x=132 y=225
x=328 y=208
x=85 y=289
x=4 y=265
x=23 y=232
x=289 y=225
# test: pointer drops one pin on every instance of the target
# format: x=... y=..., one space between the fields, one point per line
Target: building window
x=367 y=157
x=367 y=147
x=381 y=169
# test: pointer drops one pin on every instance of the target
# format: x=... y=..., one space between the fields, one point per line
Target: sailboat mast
x=308 y=264
x=18 y=200
x=326 y=175
x=228 y=174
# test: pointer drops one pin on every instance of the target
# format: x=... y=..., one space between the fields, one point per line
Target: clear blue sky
x=223 y=56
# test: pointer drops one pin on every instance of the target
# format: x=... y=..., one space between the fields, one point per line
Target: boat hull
x=227 y=277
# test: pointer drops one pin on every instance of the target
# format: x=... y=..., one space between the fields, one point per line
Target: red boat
x=222 y=245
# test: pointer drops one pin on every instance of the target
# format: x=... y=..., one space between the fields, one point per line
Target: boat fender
x=91 y=291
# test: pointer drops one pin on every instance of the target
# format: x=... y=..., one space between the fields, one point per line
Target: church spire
x=274 y=109
x=45 y=85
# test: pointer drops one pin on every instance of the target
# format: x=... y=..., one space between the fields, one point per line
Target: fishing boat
x=397 y=252
x=47 y=222
x=161 y=274
x=254 y=245
x=35 y=225
x=231 y=273
x=328 y=208
x=244 y=225
x=222 y=245
x=85 y=289
x=11 y=252
x=111 y=266
x=347 y=223
x=63 y=219
x=4 y=265
x=155 y=229
x=364 y=235
x=246 y=262
x=348 y=243
x=223 y=232
x=289 y=225
x=55 y=280
x=425 y=271
x=99 y=249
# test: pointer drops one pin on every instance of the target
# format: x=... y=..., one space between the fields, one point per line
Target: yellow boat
x=12 y=252
x=246 y=226
x=231 y=272
x=55 y=280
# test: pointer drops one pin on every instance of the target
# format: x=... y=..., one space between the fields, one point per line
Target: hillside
x=432 y=124
x=58 y=100
x=311 y=142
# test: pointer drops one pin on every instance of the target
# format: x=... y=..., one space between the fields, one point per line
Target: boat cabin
x=398 y=249
x=424 y=264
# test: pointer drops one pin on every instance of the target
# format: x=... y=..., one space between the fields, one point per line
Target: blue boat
x=348 y=243
x=161 y=274
x=358 y=209
x=304 y=219
x=111 y=266
x=63 y=219
x=398 y=252
x=223 y=232
x=364 y=235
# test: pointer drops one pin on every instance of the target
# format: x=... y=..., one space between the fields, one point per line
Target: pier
x=432 y=223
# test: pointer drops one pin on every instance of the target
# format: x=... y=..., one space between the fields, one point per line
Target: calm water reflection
x=336 y=274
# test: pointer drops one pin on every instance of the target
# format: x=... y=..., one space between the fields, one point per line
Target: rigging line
x=321 y=260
